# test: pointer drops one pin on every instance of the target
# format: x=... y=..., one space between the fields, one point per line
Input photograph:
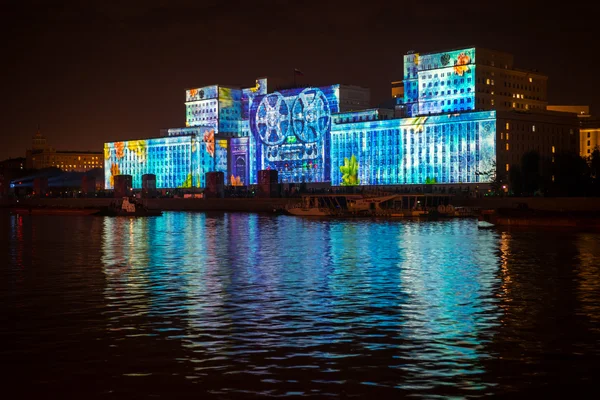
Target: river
x=241 y=305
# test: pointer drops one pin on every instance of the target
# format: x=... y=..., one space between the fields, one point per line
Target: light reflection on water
x=235 y=305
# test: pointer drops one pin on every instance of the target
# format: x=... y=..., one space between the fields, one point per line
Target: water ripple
x=245 y=305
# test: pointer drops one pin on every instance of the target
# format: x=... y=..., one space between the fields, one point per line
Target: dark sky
x=93 y=71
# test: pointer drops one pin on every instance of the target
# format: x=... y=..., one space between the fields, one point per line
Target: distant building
x=581 y=111
x=590 y=136
x=469 y=79
x=398 y=89
x=589 y=131
x=43 y=156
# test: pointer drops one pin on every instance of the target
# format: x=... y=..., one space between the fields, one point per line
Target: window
x=507 y=126
x=533 y=128
x=553 y=149
x=492 y=101
x=507 y=167
x=507 y=147
x=588 y=134
x=507 y=136
x=487 y=81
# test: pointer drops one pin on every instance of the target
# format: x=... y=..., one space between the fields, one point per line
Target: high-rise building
x=469 y=79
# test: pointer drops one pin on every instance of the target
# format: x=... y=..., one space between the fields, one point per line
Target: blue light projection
x=238 y=153
x=439 y=82
x=230 y=111
x=171 y=159
x=449 y=148
x=249 y=94
x=291 y=129
x=177 y=161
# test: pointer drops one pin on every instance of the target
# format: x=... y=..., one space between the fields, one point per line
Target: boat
x=128 y=207
x=40 y=210
x=318 y=205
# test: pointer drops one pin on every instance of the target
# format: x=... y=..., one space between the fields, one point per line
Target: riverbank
x=559 y=204
x=164 y=204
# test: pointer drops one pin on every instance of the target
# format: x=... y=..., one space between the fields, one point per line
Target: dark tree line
x=568 y=174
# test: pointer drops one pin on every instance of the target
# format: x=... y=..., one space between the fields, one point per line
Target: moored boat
x=128 y=207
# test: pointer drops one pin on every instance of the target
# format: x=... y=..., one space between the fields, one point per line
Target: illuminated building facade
x=466 y=116
x=430 y=149
x=43 y=156
x=240 y=131
x=469 y=79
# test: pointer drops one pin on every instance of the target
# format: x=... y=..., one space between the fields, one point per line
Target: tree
x=491 y=176
x=594 y=171
x=530 y=172
x=515 y=178
x=571 y=175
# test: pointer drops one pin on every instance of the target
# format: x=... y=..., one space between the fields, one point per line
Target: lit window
x=507 y=136
x=553 y=149
x=514 y=105
x=507 y=147
x=533 y=128
x=492 y=101
x=531 y=80
x=501 y=135
x=507 y=126
x=507 y=167
x=487 y=81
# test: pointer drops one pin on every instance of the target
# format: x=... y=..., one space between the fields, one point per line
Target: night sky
x=94 y=71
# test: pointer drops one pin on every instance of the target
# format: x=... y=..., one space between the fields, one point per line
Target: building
x=42 y=156
x=589 y=131
x=469 y=79
x=546 y=132
x=466 y=117
x=240 y=131
x=590 y=136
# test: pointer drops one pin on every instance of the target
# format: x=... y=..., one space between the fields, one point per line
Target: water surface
x=233 y=305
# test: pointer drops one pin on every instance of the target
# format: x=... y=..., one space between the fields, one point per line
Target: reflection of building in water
x=449 y=313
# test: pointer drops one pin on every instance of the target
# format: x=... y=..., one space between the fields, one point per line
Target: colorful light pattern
x=291 y=129
x=439 y=82
x=450 y=148
x=301 y=134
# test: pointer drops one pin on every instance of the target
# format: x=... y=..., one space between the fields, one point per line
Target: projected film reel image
x=273 y=119
x=311 y=115
x=292 y=128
